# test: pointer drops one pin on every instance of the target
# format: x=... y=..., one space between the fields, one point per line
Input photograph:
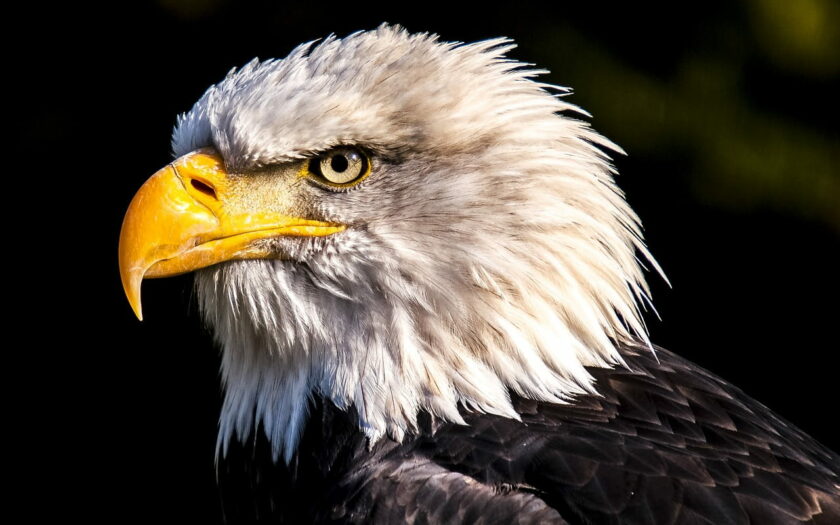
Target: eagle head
x=395 y=224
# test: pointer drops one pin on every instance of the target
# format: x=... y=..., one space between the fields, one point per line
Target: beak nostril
x=204 y=188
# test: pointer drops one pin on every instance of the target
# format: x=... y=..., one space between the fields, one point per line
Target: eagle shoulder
x=664 y=442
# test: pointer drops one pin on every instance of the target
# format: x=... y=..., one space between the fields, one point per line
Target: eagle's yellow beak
x=179 y=222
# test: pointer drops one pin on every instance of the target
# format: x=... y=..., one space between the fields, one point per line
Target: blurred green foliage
x=802 y=36
x=740 y=154
x=743 y=92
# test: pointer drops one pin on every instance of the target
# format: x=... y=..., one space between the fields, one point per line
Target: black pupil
x=339 y=163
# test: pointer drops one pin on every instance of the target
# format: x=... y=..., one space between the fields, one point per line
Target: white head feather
x=489 y=251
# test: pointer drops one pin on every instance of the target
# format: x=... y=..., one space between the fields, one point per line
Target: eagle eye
x=340 y=167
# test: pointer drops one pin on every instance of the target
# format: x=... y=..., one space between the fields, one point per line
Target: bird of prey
x=426 y=286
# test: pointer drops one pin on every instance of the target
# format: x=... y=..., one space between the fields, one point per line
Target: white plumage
x=423 y=246
x=489 y=250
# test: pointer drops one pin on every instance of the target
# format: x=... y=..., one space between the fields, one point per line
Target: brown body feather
x=664 y=442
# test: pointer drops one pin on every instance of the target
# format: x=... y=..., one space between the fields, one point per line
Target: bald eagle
x=426 y=286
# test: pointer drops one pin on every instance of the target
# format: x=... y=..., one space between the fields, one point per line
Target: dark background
x=728 y=112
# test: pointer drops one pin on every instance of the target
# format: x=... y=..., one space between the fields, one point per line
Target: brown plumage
x=460 y=339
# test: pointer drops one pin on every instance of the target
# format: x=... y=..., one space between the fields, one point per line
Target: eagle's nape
x=426 y=287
